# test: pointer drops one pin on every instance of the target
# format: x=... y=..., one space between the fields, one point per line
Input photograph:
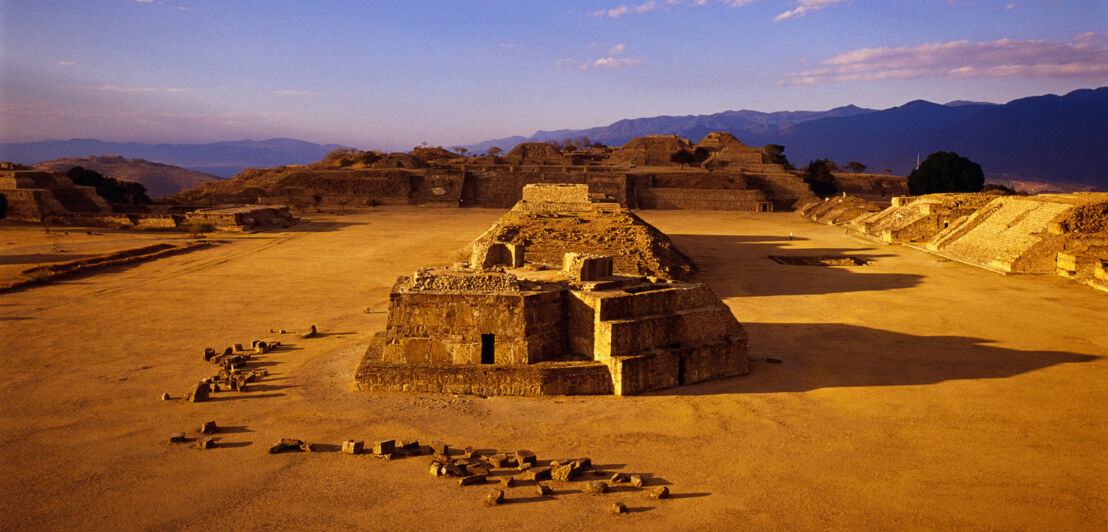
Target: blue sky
x=389 y=75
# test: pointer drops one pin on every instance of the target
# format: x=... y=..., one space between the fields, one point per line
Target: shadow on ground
x=738 y=266
x=834 y=355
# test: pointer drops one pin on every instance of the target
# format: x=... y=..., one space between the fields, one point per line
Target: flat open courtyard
x=912 y=393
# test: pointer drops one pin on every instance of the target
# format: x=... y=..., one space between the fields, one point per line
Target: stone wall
x=531 y=380
x=435 y=328
x=702 y=199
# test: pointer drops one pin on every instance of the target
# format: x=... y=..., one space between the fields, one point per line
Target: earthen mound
x=535 y=153
x=652 y=150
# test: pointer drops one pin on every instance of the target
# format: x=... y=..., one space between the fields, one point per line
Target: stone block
x=587 y=268
x=471 y=480
x=508 y=482
x=543 y=490
x=660 y=492
x=209 y=428
x=618 y=478
x=494 y=497
x=205 y=443
x=440 y=448
x=384 y=447
x=437 y=469
x=496 y=460
x=353 y=447
x=564 y=473
x=525 y=457
x=200 y=392
x=637 y=481
x=618 y=508
x=286 y=445
x=596 y=487
x=209 y=352
x=177 y=437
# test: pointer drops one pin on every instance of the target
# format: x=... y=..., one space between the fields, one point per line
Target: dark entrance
x=680 y=370
x=488 y=348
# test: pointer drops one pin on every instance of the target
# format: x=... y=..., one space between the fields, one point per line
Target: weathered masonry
x=500 y=327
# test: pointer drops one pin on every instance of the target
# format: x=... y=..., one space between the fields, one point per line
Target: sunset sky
x=389 y=75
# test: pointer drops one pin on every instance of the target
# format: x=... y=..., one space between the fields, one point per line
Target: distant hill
x=691 y=126
x=160 y=179
x=222 y=159
x=1045 y=139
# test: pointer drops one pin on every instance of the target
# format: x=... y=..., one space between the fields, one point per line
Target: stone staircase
x=1009 y=235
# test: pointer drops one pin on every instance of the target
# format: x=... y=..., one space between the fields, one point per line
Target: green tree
x=111 y=189
x=856 y=167
x=700 y=154
x=682 y=156
x=494 y=151
x=820 y=178
x=776 y=154
x=946 y=172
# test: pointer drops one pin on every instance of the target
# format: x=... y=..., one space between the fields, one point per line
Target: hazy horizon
x=392 y=76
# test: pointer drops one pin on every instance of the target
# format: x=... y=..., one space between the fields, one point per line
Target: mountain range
x=223 y=159
x=1051 y=139
x=1054 y=139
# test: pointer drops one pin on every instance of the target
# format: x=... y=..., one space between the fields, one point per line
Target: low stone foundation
x=553 y=378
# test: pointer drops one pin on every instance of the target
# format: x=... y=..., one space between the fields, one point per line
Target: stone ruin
x=51 y=197
x=506 y=324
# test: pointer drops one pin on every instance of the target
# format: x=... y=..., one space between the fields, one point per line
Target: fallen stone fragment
x=442 y=458
x=386 y=456
x=596 y=487
x=166 y=397
x=618 y=508
x=285 y=445
x=229 y=351
x=384 y=447
x=437 y=469
x=470 y=452
x=471 y=480
x=564 y=473
x=440 y=448
x=455 y=471
x=478 y=469
x=636 y=481
x=496 y=460
x=177 y=437
x=282 y=331
x=411 y=447
x=209 y=352
x=661 y=492
x=306 y=447
x=524 y=466
x=238 y=347
x=543 y=490
x=494 y=497
x=261 y=347
x=508 y=482
x=525 y=457
x=205 y=443
x=200 y=393
x=209 y=428
x=618 y=478
x=311 y=333
x=583 y=463
x=353 y=447
x=536 y=473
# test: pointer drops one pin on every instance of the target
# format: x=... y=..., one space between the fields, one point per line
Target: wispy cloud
x=646 y=7
x=510 y=45
x=145 y=1
x=804 y=7
x=116 y=88
x=614 y=63
x=1013 y=5
x=1085 y=56
x=617 y=49
x=66 y=63
x=293 y=92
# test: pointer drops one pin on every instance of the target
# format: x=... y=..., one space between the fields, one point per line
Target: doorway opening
x=488 y=348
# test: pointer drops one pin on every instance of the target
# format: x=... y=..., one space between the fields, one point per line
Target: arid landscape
x=716 y=265
x=912 y=392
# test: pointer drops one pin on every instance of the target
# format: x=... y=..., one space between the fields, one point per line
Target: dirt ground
x=913 y=393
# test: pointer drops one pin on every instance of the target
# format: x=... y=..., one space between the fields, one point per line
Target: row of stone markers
x=204 y=441
x=470 y=467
